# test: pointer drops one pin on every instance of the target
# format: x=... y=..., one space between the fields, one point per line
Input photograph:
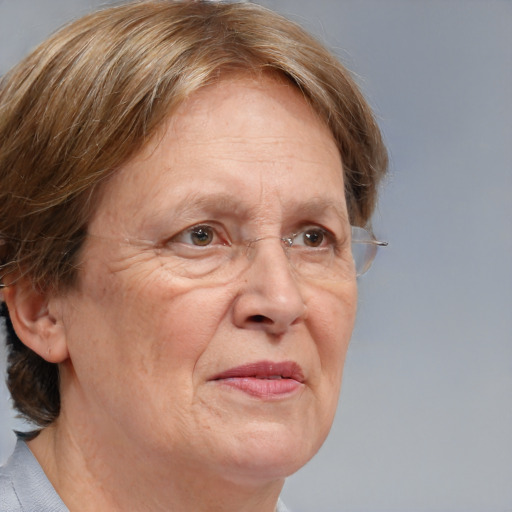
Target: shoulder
x=24 y=486
x=9 y=500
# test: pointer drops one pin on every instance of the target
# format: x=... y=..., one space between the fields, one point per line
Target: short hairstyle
x=87 y=99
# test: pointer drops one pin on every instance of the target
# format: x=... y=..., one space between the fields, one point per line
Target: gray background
x=425 y=419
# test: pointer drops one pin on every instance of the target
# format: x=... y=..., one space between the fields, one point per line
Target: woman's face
x=184 y=352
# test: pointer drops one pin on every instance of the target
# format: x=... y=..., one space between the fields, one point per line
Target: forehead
x=256 y=140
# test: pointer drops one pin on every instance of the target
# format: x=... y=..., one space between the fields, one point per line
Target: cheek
x=182 y=314
x=330 y=320
x=137 y=337
x=167 y=324
x=332 y=316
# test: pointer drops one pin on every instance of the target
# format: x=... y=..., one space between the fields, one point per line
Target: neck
x=116 y=477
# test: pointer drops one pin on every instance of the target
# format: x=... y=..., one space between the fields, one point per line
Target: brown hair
x=89 y=98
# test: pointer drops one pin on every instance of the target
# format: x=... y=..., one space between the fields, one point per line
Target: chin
x=273 y=453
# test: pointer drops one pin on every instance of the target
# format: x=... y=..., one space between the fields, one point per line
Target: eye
x=201 y=235
x=312 y=237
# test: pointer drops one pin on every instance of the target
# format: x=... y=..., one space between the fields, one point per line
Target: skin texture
x=139 y=341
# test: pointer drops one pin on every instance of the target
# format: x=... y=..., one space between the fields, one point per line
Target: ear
x=37 y=320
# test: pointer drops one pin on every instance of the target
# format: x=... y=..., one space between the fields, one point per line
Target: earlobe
x=36 y=320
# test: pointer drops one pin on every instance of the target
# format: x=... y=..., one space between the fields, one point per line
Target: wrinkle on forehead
x=206 y=107
x=256 y=135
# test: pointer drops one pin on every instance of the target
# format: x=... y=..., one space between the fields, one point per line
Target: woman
x=178 y=184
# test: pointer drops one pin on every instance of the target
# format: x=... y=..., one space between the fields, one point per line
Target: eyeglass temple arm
x=373 y=242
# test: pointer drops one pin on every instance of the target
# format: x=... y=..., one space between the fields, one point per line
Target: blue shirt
x=24 y=486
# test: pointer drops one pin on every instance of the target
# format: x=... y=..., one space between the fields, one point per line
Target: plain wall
x=425 y=418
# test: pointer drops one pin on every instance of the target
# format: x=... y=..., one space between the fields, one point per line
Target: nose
x=270 y=298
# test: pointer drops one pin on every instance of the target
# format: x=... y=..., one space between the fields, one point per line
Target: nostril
x=258 y=318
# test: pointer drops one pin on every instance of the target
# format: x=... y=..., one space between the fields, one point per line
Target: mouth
x=264 y=379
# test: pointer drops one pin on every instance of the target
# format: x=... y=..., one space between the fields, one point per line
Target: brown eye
x=201 y=235
x=313 y=237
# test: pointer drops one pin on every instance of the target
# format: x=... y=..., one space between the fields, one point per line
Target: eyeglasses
x=311 y=252
x=364 y=249
x=200 y=252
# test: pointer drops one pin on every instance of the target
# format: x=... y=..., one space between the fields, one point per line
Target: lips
x=264 y=379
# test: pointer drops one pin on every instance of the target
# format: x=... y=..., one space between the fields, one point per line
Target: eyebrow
x=318 y=206
x=216 y=203
x=228 y=206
